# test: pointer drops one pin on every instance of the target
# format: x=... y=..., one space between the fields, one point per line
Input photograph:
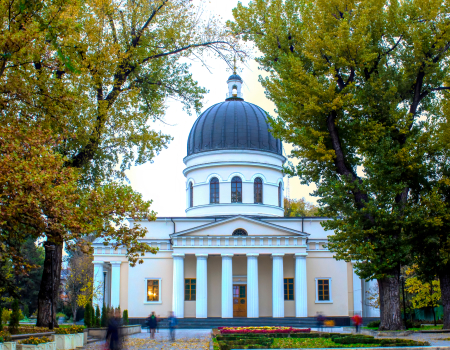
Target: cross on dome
x=234 y=85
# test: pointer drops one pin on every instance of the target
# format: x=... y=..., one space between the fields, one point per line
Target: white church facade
x=234 y=254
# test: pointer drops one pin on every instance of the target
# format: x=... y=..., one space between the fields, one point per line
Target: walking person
x=152 y=323
x=172 y=325
x=112 y=335
x=320 y=320
x=357 y=321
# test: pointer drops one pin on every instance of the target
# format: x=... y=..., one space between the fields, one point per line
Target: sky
x=163 y=181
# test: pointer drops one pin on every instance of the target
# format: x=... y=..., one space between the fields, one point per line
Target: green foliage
x=14 y=318
x=1 y=319
x=125 y=317
x=299 y=207
x=6 y=336
x=373 y=324
x=35 y=340
x=69 y=330
x=104 y=318
x=97 y=317
x=88 y=315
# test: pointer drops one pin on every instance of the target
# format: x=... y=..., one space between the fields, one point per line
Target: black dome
x=233 y=124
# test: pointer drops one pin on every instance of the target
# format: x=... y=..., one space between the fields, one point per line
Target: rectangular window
x=323 y=290
x=152 y=290
x=288 y=289
x=189 y=288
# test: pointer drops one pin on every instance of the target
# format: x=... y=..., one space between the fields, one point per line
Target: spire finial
x=234 y=65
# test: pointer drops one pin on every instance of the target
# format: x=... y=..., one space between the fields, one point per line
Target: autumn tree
x=352 y=83
x=96 y=74
x=299 y=207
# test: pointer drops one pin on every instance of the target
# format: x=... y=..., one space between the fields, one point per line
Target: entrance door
x=239 y=300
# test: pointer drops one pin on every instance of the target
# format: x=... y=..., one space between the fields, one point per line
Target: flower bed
x=262 y=330
x=30 y=329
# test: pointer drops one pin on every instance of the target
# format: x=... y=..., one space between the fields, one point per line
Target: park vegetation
x=361 y=91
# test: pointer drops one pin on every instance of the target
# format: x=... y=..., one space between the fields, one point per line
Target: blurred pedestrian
x=158 y=318
x=112 y=335
x=357 y=321
x=320 y=320
x=172 y=325
x=152 y=323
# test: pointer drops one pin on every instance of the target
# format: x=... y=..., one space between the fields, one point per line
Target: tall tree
x=97 y=73
x=352 y=82
x=299 y=207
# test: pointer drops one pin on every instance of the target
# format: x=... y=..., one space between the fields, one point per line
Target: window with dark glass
x=191 y=195
x=280 y=194
x=258 y=190
x=236 y=190
x=288 y=289
x=240 y=232
x=214 y=190
x=323 y=290
x=189 y=289
x=152 y=290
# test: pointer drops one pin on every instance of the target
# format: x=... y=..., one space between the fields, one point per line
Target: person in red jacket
x=357 y=321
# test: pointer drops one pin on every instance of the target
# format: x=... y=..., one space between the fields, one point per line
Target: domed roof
x=232 y=125
x=234 y=77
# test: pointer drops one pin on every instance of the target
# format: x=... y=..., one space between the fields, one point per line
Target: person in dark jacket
x=152 y=323
x=172 y=325
x=113 y=332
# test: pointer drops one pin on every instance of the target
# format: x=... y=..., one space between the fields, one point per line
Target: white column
x=370 y=288
x=201 y=303
x=115 y=283
x=357 y=294
x=227 y=285
x=178 y=285
x=277 y=285
x=99 y=284
x=300 y=291
x=252 y=285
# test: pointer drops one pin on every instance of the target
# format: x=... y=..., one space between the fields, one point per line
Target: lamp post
x=51 y=249
x=402 y=280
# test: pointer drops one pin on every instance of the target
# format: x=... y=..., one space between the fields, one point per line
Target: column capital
x=115 y=262
x=178 y=255
x=97 y=262
x=300 y=255
x=253 y=254
x=227 y=255
x=202 y=256
x=279 y=255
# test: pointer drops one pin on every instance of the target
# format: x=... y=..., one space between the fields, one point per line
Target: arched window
x=214 y=190
x=240 y=232
x=236 y=190
x=191 y=195
x=280 y=194
x=258 y=190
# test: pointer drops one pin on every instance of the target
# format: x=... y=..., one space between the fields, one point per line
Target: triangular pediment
x=252 y=226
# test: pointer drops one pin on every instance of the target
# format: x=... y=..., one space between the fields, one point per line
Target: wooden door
x=239 y=300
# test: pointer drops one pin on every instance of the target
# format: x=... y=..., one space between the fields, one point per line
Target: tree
x=125 y=317
x=425 y=293
x=97 y=73
x=104 y=319
x=299 y=207
x=352 y=82
x=97 y=317
x=87 y=315
x=14 y=319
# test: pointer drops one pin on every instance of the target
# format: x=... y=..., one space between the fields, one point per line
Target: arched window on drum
x=280 y=194
x=214 y=190
x=258 y=190
x=236 y=190
x=191 y=195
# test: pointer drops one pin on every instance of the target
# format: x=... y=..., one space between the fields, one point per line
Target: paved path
x=185 y=339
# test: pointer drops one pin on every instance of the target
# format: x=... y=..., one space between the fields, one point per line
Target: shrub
x=69 y=330
x=104 y=319
x=87 y=315
x=26 y=311
x=35 y=341
x=60 y=314
x=5 y=336
x=373 y=324
x=97 y=317
x=125 y=317
x=14 y=318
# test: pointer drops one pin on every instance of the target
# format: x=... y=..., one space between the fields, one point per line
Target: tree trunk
x=390 y=314
x=444 y=279
x=46 y=296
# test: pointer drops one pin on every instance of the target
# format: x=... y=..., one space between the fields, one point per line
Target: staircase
x=214 y=322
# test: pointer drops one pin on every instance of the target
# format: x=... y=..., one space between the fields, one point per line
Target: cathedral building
x=234 y=254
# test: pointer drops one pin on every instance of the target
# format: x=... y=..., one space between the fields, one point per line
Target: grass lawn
x=293 y=343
